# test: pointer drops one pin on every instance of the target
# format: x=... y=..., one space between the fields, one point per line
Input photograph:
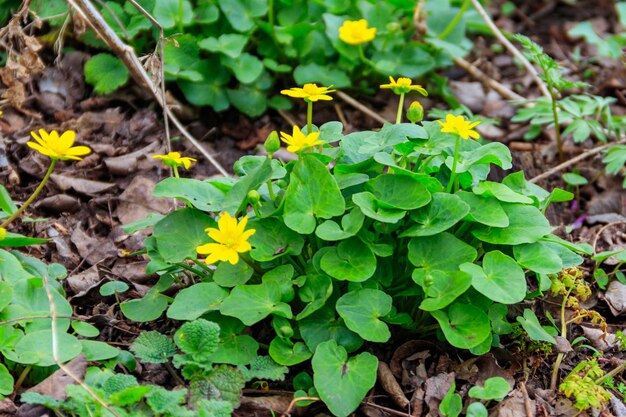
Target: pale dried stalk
x=55 y=350
x=127 y=54
x=499 y=88
x=512 y=49
x=354 y=103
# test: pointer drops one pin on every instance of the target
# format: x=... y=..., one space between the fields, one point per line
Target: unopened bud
x=254 y=197
x=393 y=27
x=415 y=113
x=272 y=143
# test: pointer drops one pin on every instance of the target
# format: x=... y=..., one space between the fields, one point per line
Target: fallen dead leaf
x=136 y=202
x=514 y=406
x=599 y=339
x=60 y=203
x=93 y=249
x=84 y=281
x=126 y=164
x=615 y=297
x=391 y=386
x=80 y=185
x=436 y=388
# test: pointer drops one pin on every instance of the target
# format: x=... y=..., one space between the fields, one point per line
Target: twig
x=386 y=409
x=527 y=405
x=354 y=103
x=287 y=117
x=612 y=373
x=127 y=54
x=55 y=350
x=21 y=13
x=512 y=49
x=293 y=404
x=576 y=159
x=488 y=81
x=602 y=230
x=2 y=323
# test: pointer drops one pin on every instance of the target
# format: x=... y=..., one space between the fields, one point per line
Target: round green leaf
x=200 y=194
x=526 y=225
x=444 y=211
x=495 y=388
x=485 y=210
x=443 y=252
x=113 y=287
x=186 y=222
x=98 y=351
x=148 y=308
x=85 y=329
x=312 y=193
x=38 y=346
x=229 y=275
x=235 y=350
x=538 y=257
x=464 y=325
x=500 y=278
x=6 y=294
x=315 y=291
x=501 y=192
x=362 y=309
x=273 y=239
x=476 y=410
x=574 y=179
x=252 y=303
x=443 y=288
x=286 y=353
x=6 y=381
x=350 y=225
x=342 y=383
x=323 y=325
x=194 y=301
x=371 y=208
x=106 y=73
x=398 y=192
x=351 y=260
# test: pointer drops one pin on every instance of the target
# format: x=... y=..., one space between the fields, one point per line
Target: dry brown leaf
x=80 y=185
x=93 y=249
x=615 y=297
x=391 y=386
x=137 y=201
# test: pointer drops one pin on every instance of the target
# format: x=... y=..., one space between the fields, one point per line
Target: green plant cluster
x=584 y=385
x=354 y=241
x=232 y=52
x=493 y=389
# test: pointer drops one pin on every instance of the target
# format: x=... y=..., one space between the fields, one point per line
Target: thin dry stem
x=293 y=402
x=357 y=105
x=512 y=49
x=499 y=88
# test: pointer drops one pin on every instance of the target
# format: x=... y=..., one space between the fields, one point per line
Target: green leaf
x=229 y=275
x=464 y=325
x=200 y=194
x=240 y=13
x=526 y=225
x=186 y=222
x=484 y=210
x=492 y=153
x=235 y=349
x=249 y=100
x=106 y=73
x=113 y=287
x=342 y=383
x=287 y=353
x=198 y=339
x=312 y=193
x=494 y=388
x=500 y=278
x=442 y=213
x=226 y=383
x=574 y=179
x=535 y=330
x=362 y=309
x=324 y=75
x=229 y=44
x=98 y=351
x=6 y=203
x=148 y=308
x=501 y=192
x=315 y=291
x=411 y=61
x=452 y=403
x=6 y=381
x=192 y=302
x=246 y=67
x=14 y=240
x=442 y=288
x=476 y=410
x=264 y=368
x=323 y=325
x=351 y=260
x=273 y=240
x=368 y=204
x=398 y=192
x=350 y=225
x=237 y=196
x=149 y=221
x=37 y=347
x=6 y=294
x=538 y=257
x=426 y=252
x=252 y=303
x=153 y=347
x=85 y=329
x=167 y=12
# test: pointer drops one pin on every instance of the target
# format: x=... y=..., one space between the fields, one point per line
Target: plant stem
x=446 y=32
x=557 y=129
x=180 y=16
x=364 y=58
x=175 y=171
x=454 y=161
x=400 y=108
x=270 y=190
x=252 y=265
x=309 y=117
x=32 y=197
x=613 y=373
x=560 y=356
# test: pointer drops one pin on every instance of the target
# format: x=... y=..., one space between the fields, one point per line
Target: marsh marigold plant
x=356 y=32
x=230 y=239
x=310 y=92
x=404 y=85
x=175 y=160
x=298 y=141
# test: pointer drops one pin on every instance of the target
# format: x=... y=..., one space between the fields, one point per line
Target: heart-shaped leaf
x=464 y=325
x=194 y=301
x=538 y=257
x=351 y=260
x=442 y=288
x=535 y=330
x=484 y=210
x=315 y=291
x=186 y=222
x=425 y=252
x=350 y=224
x=500 y=278
x=342 y=383
x=444 y=211
x=494 y=388
x=323 y=325
x=284 y=352
x=362 y=309
x=526 y=225
x=252 y=303
x=501 y=192
x=398 y=192
x=273 y=239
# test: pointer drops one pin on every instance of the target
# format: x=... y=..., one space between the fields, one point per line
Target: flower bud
x=272 y=143
x=254 y=197
x=3 y=233
x=393 y=27
x=415 y=113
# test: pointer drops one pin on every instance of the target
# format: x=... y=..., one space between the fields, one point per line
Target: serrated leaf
x=106 y=73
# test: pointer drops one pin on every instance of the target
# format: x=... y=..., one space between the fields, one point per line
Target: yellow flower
x=230 y=238
x=356 y=32
x=3 y=233
x=459 y=126
x=310 y=92
x=403 y=86
x=175 y=159
x=58 y=147
x=298 y=141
